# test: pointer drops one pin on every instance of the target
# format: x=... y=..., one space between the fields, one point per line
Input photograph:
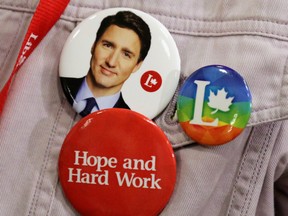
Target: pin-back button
x=122 y=57
x=117 y=162
x=214 y=105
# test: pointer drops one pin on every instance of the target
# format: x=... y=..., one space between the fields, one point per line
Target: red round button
x=117 y=162
x=151 y=81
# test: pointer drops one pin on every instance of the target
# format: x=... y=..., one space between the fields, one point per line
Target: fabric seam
x=13 y=40
x=23 y=9
x=52 y=195
x=45 y=162
x=53 y=191
x=16 y=8
x=256 y=170
x=56 y=182
x=240 y=172
x=222 y=23
x=284 y=85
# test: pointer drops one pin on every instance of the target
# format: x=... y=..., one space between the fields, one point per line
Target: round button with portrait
x=120 y=58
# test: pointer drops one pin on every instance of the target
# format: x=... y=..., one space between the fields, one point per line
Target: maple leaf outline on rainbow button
x=219 y=101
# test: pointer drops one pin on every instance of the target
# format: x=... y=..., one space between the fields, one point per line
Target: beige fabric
x=246 y=177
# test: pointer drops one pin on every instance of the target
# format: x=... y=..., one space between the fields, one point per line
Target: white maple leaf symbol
x=219 y=101
x=153 y=81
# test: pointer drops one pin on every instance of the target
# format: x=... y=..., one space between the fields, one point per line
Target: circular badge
x=151 y=81
x=117 y=162
x=120 y=58
x=214 y=105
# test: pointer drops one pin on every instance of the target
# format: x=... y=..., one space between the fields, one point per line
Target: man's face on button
x=115 y=57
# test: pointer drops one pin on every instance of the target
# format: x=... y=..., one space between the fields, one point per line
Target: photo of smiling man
x=121 y=45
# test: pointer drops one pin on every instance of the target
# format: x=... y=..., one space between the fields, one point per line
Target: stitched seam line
x=256 y=170
x=26 y=9
x=219 y=26
x=284 y=85
x=267 y=140
x=52 y=196
x=220 y=32
x=16 y=8
x=266 y=108
x=71 y=4
x=84 y=6
x=217 y=21
x=53 y=191
x=13 y=42
x=45 y=162
x=269 y=120
x=224 y=32
x=240 y=172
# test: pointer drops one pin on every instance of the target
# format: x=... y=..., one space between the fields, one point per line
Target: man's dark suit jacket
x=71 y=87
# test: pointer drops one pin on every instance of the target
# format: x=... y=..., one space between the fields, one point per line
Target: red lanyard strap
x=46 y=15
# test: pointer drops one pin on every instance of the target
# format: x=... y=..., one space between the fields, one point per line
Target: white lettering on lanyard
x=27 y=47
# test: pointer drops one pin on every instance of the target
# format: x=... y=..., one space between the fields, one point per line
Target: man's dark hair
x=129 y=20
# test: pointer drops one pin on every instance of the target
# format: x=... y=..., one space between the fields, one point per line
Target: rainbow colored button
x=214 y=105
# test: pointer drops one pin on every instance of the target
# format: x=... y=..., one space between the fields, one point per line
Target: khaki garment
x=249 y=176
